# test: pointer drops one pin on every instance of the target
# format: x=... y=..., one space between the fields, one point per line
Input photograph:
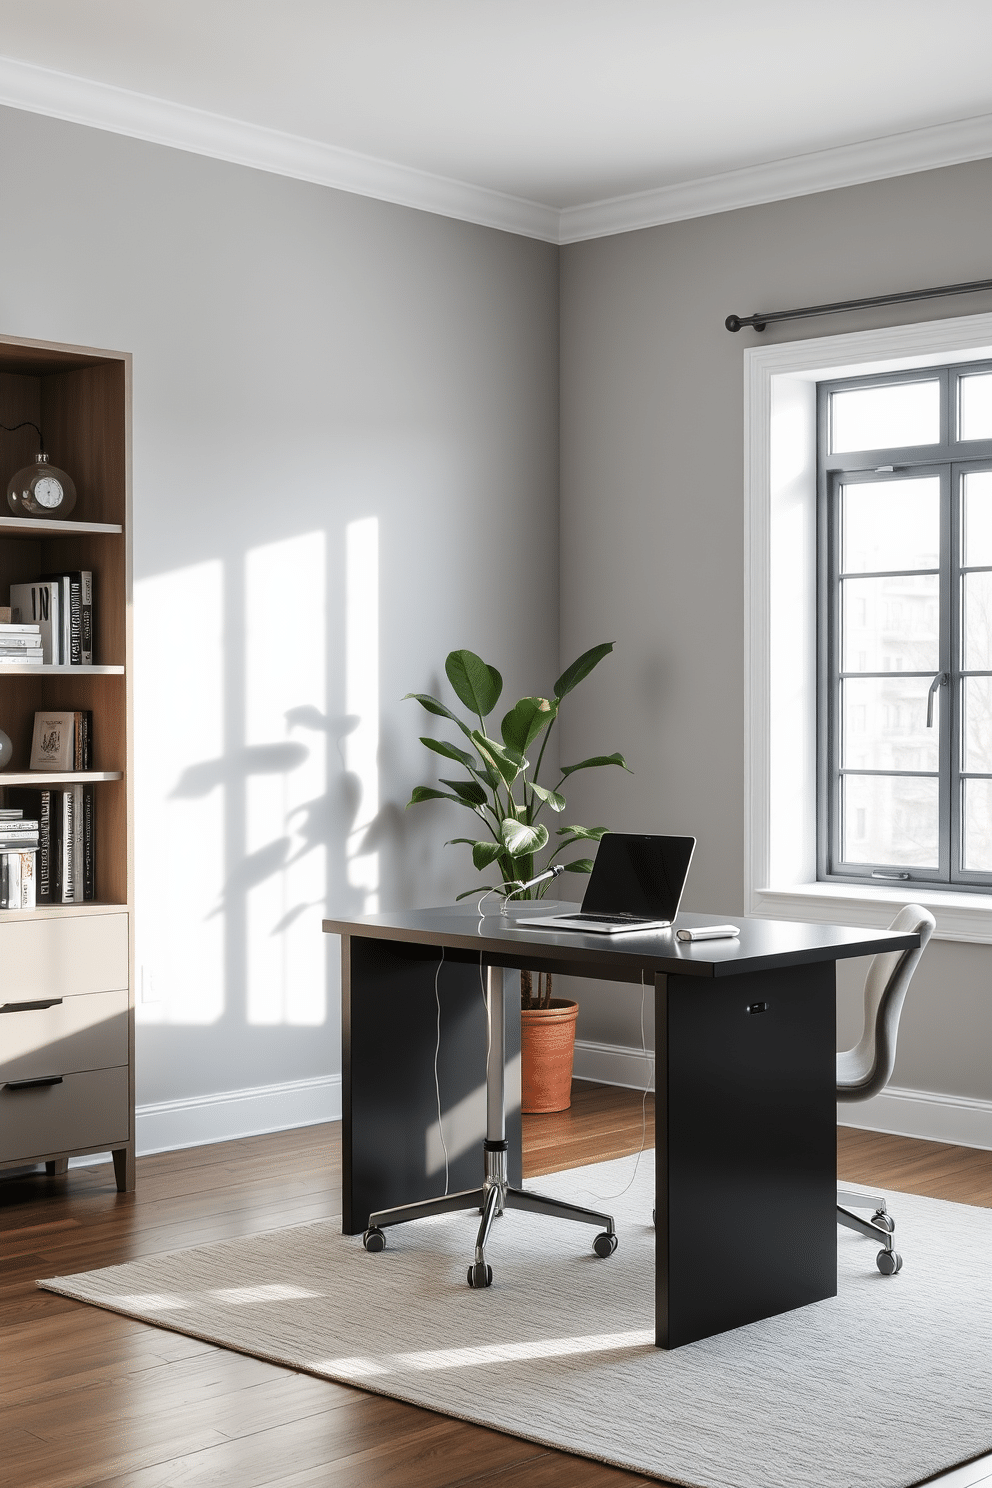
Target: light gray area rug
x=884 y=1385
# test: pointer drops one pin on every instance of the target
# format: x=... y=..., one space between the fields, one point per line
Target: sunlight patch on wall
x=179 y=721
x=362 y=699
x=285 y=865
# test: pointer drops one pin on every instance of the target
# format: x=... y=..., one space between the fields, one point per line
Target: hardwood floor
x=89 y=1398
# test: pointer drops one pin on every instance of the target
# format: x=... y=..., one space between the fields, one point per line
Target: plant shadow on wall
x=324 y=824
x=502 y=789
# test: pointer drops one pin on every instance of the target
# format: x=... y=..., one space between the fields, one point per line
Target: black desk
x=745 y=1087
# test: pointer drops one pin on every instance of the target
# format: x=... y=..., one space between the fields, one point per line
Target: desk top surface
x=502 y=941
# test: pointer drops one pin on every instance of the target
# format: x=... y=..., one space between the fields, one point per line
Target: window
x=904 y=627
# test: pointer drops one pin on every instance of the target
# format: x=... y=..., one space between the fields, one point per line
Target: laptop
x=636 y=884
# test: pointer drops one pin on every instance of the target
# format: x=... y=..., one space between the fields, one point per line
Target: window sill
x=966 y=917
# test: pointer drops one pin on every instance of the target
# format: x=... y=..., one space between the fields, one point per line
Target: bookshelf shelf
x=60 y=671
x=41 y=778
x=53 y=955
x=51 y=527
x=60 y=912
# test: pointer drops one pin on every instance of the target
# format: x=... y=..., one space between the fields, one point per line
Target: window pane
x=976 y=847
x=976 y=406
x=899 y=413
x=890 y=525
x=976 y=518
x=976 y=621
x=976 y=732
x=890 y=819
x=891 y=624
x=884 y=724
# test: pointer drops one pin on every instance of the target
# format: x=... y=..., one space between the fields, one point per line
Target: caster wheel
x=480 y=1276
x=374 y=1239
x=888 y=1262
x=604 y=1245
x=883 y=1221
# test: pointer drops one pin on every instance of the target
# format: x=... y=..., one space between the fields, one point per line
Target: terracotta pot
x=547 y=1045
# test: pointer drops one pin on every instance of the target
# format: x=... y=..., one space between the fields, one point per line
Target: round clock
x=41 y=490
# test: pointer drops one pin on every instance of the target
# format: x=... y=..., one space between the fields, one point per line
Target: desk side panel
x=746 y=1149
x=391 y=1153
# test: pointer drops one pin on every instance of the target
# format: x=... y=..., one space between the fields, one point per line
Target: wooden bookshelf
x=77 y=958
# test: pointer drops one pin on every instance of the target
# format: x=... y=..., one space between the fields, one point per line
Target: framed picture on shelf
x=53 y=742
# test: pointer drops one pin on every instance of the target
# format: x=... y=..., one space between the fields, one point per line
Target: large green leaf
x=519 y=838
x=573 y=675
x=476 y=684
x=596 y=760
x=469 y=791
x=507 y=762
x=438 y=709
x=591 y=834
x=551 y=798
x=525 y=721
x=579 y=865
x=428 y=793
x=484 y=853
x=449 y=751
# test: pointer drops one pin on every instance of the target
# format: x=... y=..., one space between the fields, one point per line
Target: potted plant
x=502 y=788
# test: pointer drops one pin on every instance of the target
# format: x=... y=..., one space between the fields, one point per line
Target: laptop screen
x=638 y=875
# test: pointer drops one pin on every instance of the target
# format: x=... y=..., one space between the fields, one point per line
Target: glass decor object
x=6 y=750
x=41 y=490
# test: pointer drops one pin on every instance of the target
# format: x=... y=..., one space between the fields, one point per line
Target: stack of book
x=61 y=605
x=20 y=645
x=63 y=820
x=62 y=740
x=19 y=842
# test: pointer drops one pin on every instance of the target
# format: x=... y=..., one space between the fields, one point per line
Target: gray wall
x=653 y=524
x=303 y=359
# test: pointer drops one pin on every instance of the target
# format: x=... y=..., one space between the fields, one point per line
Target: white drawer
x=84 y=1110
x=42 y=958
x=88 y=1032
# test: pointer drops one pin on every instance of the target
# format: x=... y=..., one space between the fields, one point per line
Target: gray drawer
x=88 y=1032
x=84 y=1110
x=62 y=957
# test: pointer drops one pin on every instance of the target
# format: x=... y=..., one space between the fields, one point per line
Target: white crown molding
x=778 y=180
x=97 y=105
x=101 y=106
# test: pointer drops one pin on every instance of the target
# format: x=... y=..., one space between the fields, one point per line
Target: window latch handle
x=941 y=680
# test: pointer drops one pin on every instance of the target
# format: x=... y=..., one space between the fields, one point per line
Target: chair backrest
x=866 y=1069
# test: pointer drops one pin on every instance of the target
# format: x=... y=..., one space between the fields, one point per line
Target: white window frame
x=780 y=622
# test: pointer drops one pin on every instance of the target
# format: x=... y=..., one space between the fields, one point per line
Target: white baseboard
x=934 y=1117
x=166 y=1126
x=613 y=1064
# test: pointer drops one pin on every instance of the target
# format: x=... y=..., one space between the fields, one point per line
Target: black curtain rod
x=760 y=321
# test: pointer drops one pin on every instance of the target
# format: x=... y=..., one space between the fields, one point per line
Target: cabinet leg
x=124 y=1168
x=58 y=1167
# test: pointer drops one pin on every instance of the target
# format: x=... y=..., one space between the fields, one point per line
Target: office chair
x=865 y=1070
x=495 y=1195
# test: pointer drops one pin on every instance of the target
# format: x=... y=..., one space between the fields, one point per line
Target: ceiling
x=552 y=107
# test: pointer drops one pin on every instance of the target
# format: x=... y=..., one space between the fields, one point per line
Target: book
x=67 y=843
x=24 y=659
x=77 y=616
x=89 y=852
x=77 y=828
x=53 y=741
x=27 y=639
x=32 y=632
x=40 y=604
x=17 y=880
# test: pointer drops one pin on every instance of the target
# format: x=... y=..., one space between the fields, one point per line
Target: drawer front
x=85 y=1110
x=42 y=958
x=88 y=1032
